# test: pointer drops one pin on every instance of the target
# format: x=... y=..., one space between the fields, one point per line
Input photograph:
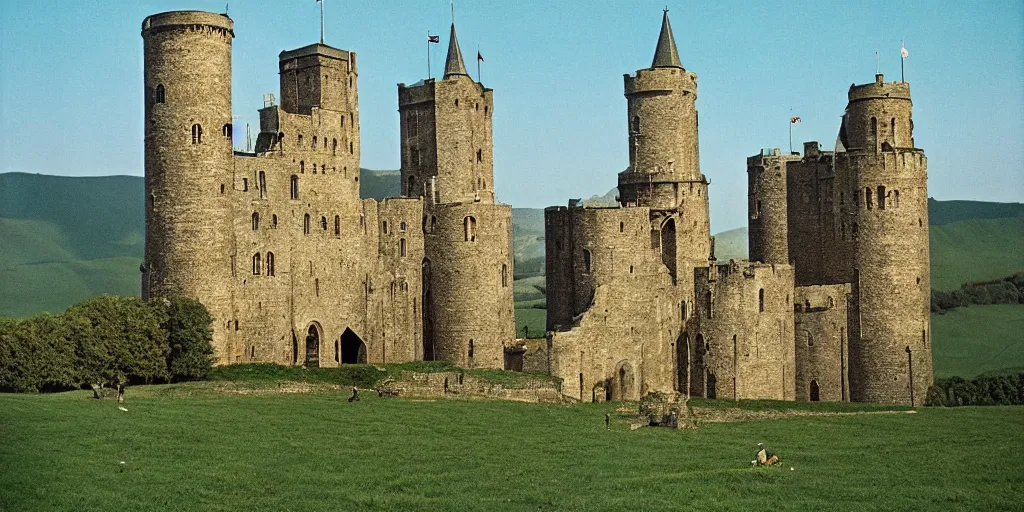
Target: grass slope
x=978 y=339
x=976 y=250
x=319 y=452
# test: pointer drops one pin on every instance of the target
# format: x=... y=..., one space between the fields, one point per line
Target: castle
x=293 y=266
x=833 y=303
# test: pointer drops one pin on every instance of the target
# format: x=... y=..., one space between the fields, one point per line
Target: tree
x=37 y=353
x=189 y=336
x=124 y=342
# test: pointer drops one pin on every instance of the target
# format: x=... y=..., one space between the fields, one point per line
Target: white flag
x=903 y=51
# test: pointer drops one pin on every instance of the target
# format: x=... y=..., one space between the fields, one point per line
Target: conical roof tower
x=454 y=65
x=665 y=55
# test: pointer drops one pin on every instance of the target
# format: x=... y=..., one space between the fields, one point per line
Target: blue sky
x=71 y=82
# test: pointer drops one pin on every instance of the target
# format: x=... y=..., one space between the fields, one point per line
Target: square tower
x=317 y=76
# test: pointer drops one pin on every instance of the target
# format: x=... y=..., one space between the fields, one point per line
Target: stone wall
x=767 y=210
x=822 y=342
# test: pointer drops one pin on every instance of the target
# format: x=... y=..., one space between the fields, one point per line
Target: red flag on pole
x=479 y=57
x=433 y=39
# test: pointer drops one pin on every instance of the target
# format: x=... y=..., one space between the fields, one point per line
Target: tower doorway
x=668 y=247
x=711 y=391
x=622 y=385
x=353 y=350
x=815 y=392
x=313 y=346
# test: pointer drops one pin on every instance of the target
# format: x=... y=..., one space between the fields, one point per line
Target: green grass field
x=319 y=452
x=978 y=339
x=976 y=250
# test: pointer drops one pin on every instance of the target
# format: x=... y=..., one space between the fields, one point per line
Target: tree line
x=107 y=341
x=994 y=390
x=1009 y=290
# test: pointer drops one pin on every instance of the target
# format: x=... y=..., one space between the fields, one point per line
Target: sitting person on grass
x=765 y=457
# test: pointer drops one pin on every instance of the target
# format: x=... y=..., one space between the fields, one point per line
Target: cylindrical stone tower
x=188 y=162
x=767 y=207
x=891 y=362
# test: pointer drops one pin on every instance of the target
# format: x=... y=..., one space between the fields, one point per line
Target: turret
x=446 y=135
x=188 y=161
x=767 y=207
x=886 y=179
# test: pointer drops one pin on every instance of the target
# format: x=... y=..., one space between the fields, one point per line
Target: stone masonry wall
x=822 y=342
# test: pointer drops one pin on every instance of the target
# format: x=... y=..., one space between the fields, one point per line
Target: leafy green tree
x=189 y=336
x=124 y=342
x=37 y=353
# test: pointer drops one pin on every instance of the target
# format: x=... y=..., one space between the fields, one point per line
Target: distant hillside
x=947 y=212
x=379 y=184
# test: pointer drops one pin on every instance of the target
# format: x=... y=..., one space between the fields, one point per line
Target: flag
x=794 y=120
x=433 y=39
x=479 y=57
x=903 y=51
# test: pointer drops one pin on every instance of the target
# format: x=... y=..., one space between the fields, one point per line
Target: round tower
x=768 y=208
x=188 y=161
x=887 y=176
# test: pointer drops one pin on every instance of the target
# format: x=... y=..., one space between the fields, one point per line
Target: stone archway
x=313 y=345
x=623 y=385
x=815 y=391
x=353 y=349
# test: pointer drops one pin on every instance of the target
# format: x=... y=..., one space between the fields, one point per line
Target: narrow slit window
x=197 y=134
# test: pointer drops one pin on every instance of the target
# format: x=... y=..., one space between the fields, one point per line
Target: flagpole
x=478 y=78
x=428 y=55
x=790 y=130
x=321 y=2
x=903 y=46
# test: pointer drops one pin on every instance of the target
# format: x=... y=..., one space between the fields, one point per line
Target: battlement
x=879 y=90
x=769 y=156
x=177 y=19
x=660 y=79
x=319 y=50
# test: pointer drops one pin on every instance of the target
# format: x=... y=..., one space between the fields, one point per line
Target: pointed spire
x=454 y=64
x=666 y=55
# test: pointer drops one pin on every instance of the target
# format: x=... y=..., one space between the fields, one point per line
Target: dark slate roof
x=454 y=64
x=666 y=55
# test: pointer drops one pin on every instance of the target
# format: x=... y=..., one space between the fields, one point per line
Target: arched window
x=270 y=264
x=226 y=130
x=401 y=247
x=760 y=300
x=892 y=123
x=895 y=198
x=881 y=197
x=401 y=226
x=337 y=225
x=504 y=275
x=197 y=134
x=159 y=94
x=257 y=265
x=868 y=202
x=636 y=124
x=255 y=221
x=314 y=142
x=323 y=223
x=295 y=187
x=708 y=304
x=587 y=261
x=305 y=224
x=300 y=140
x=273 y=221
x=469 y=226
x=263 y=184
x=814 y=391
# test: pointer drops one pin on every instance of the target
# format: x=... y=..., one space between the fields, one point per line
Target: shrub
x=37 y=353
x=189 y=337
x=124 y=341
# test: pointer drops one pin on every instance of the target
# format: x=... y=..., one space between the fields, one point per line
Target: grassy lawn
x=535 y=319
x=978 y=339
x=319 y=452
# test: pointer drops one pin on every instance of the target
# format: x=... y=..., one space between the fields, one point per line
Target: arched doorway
x=427 y=308
x=353 y=350
x=313 y=346
x=623 y=382
x=295 y=349
x=712 y=384
x=668 y=246
x=815 y=392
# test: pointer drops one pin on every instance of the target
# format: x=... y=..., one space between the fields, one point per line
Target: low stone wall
x=456 y=384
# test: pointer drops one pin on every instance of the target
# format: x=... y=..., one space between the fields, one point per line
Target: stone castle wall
x=822 y=342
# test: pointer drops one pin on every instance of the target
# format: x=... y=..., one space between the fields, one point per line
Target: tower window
x=270 y=264
x=401 y=226
x=314 y=168
x=257 y=265
x=334 y=146
x=867 y=198
x=255 y=221
x=159 y=94
x=351 y=148
x=471 y=349
x=760 y=300
x=343 y=121
x=682 y=310
x=384 y=227
x=855 y=231
x=504 y=275
x=302 y=166
x=273 y=221
x=874 y=132
x=587 y=261
x=316 y=287
x=263 y=184
x=636 y=124
x=337 y=226
x=622 y=227
x=881 y=197
x=245 y=184
x=197 y=134
x=305 y=224
x=314 y=142
x=708 y=304
x=226 y=130
x=323 y=223
x=469 y=227
x=456 y=102
x=401 y=247
x=479 y=155
x=892 y=123
x=300 y=140
x=895 y=198
x=295 y=187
